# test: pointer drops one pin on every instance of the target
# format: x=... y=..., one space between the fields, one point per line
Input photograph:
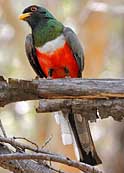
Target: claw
x=67 y=77
x=49 y=78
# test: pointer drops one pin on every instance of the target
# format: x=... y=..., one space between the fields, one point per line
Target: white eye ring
x=33 y=8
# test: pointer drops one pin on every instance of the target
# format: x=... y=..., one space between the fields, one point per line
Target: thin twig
x=2 y=129
x=47 y=141
x=22 y=138
x=14 y=143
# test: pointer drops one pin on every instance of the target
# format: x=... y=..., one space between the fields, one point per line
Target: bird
x=54 y=51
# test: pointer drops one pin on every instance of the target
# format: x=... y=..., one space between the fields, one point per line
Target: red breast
x=57 y=60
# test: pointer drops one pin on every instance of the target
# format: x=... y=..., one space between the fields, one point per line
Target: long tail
x=83 y=139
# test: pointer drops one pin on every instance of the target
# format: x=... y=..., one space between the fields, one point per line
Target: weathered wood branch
x=28 y=162
x=18 y=90
x=79 y=95
x=64 y=160
x=21 y=166
x=86 y=107
x=20 y=161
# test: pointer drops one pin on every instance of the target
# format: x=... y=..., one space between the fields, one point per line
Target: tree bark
x=86 y=107
x=105 y=96
x=19 y=90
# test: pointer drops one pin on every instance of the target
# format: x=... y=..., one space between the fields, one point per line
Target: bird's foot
x=67 y=73
x=67 y=77
x=49 y=78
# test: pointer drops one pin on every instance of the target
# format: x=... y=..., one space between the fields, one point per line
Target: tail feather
x=75 y=129
x=83 y=139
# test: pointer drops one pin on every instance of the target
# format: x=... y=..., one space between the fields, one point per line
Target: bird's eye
x=33 y=8
x=43 y=12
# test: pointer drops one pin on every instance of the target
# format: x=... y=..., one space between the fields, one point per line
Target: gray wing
x=32 y=57
x=76 y=47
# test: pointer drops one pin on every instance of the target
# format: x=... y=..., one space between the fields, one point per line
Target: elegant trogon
x=54 y=51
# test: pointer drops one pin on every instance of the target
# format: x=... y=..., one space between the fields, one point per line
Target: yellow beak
x=24 y=16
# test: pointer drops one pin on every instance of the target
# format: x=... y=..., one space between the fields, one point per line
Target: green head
x=35 y=15
x=43 y=24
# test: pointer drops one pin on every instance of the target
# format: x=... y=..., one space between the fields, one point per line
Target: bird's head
x=35 y=14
